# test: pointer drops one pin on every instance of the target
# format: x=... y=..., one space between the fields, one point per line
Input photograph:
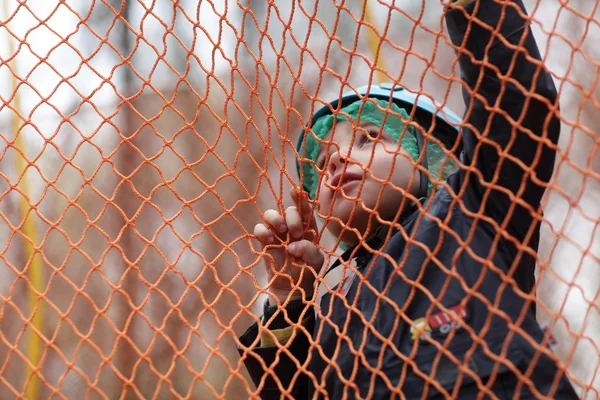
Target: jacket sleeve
x=510 y=126
x=281 y=366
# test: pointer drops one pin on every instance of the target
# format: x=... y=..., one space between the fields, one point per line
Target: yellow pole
x=374 y=41
x=34 y=272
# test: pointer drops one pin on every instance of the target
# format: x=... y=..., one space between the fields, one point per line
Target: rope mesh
x=142 y=141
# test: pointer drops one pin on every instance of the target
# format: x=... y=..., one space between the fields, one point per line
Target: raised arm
x=511 y=125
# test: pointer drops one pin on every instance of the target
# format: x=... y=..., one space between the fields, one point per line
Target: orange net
x=144 y=140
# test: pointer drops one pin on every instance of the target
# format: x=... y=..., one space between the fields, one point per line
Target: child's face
x=373 y=158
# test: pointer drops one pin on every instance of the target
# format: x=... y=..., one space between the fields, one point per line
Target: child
x=439 y=297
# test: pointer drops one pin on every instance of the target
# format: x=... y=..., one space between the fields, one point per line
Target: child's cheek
x=403 y=169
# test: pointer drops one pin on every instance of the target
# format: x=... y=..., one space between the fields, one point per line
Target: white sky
x=54 y=38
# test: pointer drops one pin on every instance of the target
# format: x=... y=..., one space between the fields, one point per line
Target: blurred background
x=141 y=140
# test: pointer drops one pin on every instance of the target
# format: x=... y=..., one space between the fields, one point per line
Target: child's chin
x=345 y=218
x=348 y=211
x=348 y=215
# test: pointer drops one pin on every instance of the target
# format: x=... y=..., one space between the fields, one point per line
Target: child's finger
x=306 y=251
x=263 y=234
x=301 y=201
x=275 y=219
x=294 y=195
x=294 y=222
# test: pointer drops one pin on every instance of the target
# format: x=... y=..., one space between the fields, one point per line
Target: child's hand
x=288 y=265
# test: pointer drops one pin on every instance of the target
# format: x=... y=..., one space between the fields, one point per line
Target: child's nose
x=336 y=160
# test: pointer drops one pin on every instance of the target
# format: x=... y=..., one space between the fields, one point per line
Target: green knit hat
x=378 y=112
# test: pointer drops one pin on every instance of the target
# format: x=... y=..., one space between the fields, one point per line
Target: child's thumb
x=306 y=251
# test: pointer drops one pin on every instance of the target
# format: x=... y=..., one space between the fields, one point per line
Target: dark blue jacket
x=464 y=268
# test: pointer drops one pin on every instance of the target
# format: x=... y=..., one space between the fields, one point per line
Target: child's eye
x=370 y=135
x=321 y=161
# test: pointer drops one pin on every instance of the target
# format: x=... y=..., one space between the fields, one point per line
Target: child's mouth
x=348 y=184
x=344 y=180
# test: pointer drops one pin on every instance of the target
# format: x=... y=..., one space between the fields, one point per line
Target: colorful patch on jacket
x=441 y=322
x=346 y=283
